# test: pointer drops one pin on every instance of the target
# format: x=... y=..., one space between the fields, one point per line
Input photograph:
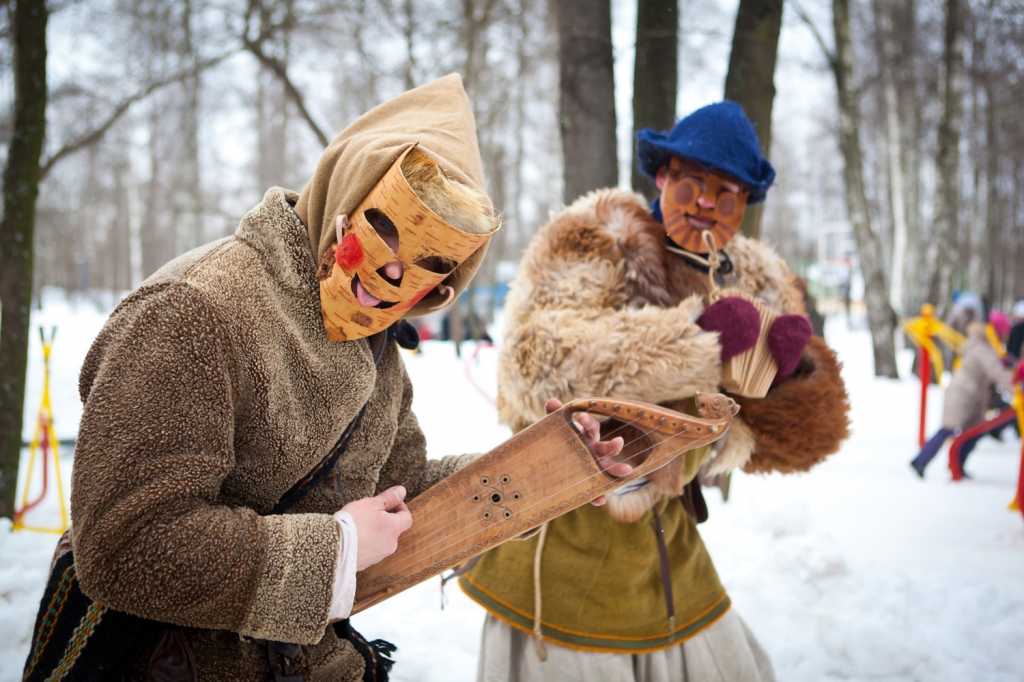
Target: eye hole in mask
x=388 y=234
x=438 y=264
x=384 y=228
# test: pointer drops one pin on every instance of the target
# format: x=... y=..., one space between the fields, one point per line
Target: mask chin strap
x=713 y=260
x=711 y=244
x=448 y=292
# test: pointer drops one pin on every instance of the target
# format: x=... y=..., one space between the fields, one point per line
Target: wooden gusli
x=542 y=472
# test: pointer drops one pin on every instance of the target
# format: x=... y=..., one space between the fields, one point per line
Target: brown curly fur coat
x=210 y=391
x=601 y=307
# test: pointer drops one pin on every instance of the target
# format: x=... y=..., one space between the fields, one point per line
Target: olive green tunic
x=588 y=563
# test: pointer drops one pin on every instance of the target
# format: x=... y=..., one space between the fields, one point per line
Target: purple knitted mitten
x=737 y=322
x=787 y=338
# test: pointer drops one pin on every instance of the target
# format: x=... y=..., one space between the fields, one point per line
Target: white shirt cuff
x=344 y=592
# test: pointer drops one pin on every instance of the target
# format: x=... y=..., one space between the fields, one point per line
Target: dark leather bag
x=172 y=659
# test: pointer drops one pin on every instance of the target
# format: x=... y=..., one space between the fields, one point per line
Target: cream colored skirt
x=724 y=652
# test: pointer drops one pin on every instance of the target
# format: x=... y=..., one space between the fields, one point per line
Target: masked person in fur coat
x=247 y=441
x=611 y=299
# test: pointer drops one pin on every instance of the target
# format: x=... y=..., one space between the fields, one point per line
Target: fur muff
x=600 y=307
x=803 y=419
x=736 y=449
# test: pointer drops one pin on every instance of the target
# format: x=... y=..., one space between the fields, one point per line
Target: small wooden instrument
x=751 y=373
x=540 y=473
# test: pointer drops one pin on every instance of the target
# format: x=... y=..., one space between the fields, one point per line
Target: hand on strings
x=590 y=429
x=379 y=521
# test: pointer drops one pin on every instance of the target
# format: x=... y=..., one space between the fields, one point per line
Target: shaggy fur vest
x=601 y=307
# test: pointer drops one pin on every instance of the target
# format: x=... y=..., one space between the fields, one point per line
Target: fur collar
x=656 y=276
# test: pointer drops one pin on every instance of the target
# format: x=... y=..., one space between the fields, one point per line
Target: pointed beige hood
x=436 y=116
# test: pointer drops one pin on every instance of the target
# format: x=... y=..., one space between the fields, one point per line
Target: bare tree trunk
x=473 y=33
x=750 y=79
x=120 y=228
x=408 y=31
x=456 y=328
x=655 y=75
x=21 y=188
x=881 y=318
x=906 y=45
x=897 y=204
x=272 y=117
x=157 y=238
x=587 y=96
x=193 y=232
x=514 y=229
x=942 y=254
x=973 y=245
x=994 y=223
x=257 y=46
x=897 y=198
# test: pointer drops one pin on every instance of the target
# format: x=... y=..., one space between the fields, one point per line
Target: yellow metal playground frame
x=44 y=436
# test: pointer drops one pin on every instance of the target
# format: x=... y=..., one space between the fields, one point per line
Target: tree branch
x=280 y=70
x=254 y=45
x=96 y=134
x=830 y=56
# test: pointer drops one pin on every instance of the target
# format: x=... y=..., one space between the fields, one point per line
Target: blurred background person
x=967 y=397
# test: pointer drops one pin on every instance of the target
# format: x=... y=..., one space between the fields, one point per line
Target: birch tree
x=881 y=317
x=894 y=151
x=942 y=253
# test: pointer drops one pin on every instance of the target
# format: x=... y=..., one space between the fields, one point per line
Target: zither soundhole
x=496 y=498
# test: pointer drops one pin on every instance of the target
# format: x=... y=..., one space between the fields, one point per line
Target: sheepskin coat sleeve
x=210 y=391
x=600 y=306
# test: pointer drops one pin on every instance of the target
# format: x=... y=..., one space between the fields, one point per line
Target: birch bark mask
x=365 y=291
x=695 y=200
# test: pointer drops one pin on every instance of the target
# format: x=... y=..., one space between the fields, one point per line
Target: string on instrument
x=574 y=435
x=570 y=427
x=416 y=557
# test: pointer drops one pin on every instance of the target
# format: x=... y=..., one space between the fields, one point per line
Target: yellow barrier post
x=44 y=439
x=923 y=331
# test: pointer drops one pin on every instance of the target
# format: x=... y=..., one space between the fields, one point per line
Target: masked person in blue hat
x=614 y=298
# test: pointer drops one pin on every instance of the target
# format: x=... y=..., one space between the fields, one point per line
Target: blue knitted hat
x=718 y=136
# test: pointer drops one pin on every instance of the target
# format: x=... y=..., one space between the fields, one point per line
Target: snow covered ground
x=856 y=571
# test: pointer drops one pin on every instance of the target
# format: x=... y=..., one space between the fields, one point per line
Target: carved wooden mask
x=428 y=247
x=724 y=203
